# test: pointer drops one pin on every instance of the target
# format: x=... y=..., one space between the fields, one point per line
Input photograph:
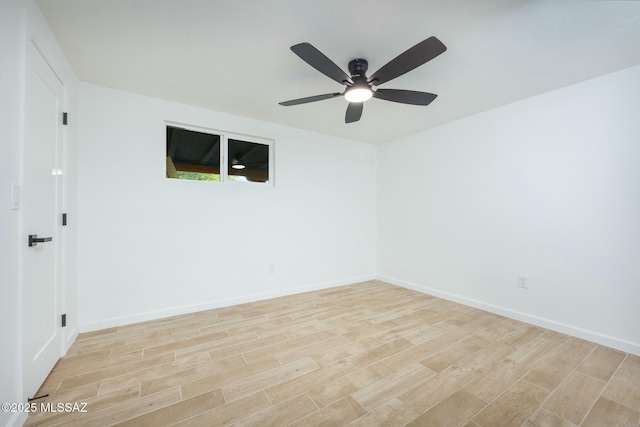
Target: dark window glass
x=192 y=155
x=248 y=161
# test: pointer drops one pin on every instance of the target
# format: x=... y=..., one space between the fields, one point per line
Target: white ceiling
x=233 y=55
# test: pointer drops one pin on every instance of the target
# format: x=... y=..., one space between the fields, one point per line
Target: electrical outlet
x=522 y=282
x=272 y=268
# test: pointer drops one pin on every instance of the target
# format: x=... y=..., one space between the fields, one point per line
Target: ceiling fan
x=359 y=87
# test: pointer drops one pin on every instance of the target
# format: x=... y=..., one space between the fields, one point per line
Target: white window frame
x=224 y=151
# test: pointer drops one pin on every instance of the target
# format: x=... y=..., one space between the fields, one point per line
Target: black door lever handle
x=34 y=239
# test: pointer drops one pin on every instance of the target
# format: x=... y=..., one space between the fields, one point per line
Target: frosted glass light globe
x=358 y=94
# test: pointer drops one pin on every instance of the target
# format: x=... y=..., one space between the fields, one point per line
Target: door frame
x=32 y=47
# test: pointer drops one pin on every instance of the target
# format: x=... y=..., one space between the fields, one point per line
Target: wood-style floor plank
x=368 y=354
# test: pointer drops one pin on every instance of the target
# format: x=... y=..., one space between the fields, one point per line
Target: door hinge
x=64 y=118
x=64 y=320
x=64 y=219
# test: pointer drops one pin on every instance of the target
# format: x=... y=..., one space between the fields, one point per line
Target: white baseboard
x=18 y=419
x=209 y=305
x=596 y=337
x=70 y=338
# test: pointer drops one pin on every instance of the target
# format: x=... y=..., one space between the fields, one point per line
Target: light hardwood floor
x=369 y=354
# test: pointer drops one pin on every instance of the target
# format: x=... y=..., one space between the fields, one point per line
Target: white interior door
x=41 y=203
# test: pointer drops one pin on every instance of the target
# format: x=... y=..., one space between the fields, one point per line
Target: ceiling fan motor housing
x=358 y=69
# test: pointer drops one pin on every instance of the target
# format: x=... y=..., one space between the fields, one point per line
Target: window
x=249 y=161
x=207 y=155
x=193 y=155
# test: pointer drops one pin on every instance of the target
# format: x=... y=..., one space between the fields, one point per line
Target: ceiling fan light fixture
x=359 y=93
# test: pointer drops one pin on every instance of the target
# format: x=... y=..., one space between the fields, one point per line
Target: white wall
x=548 y=188
x=151 y=246
x=20 y=21
x=12 y=34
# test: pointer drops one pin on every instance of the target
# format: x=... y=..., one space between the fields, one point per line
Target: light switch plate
x=15 y=196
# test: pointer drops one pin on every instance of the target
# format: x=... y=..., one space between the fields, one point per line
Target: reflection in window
x=192 y=155
x=248 y=161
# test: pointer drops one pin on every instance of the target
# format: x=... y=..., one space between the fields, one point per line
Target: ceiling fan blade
x=412 y=58
x=309 y=99
x=320 y=62
x=405 y=96
x=354 y=112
